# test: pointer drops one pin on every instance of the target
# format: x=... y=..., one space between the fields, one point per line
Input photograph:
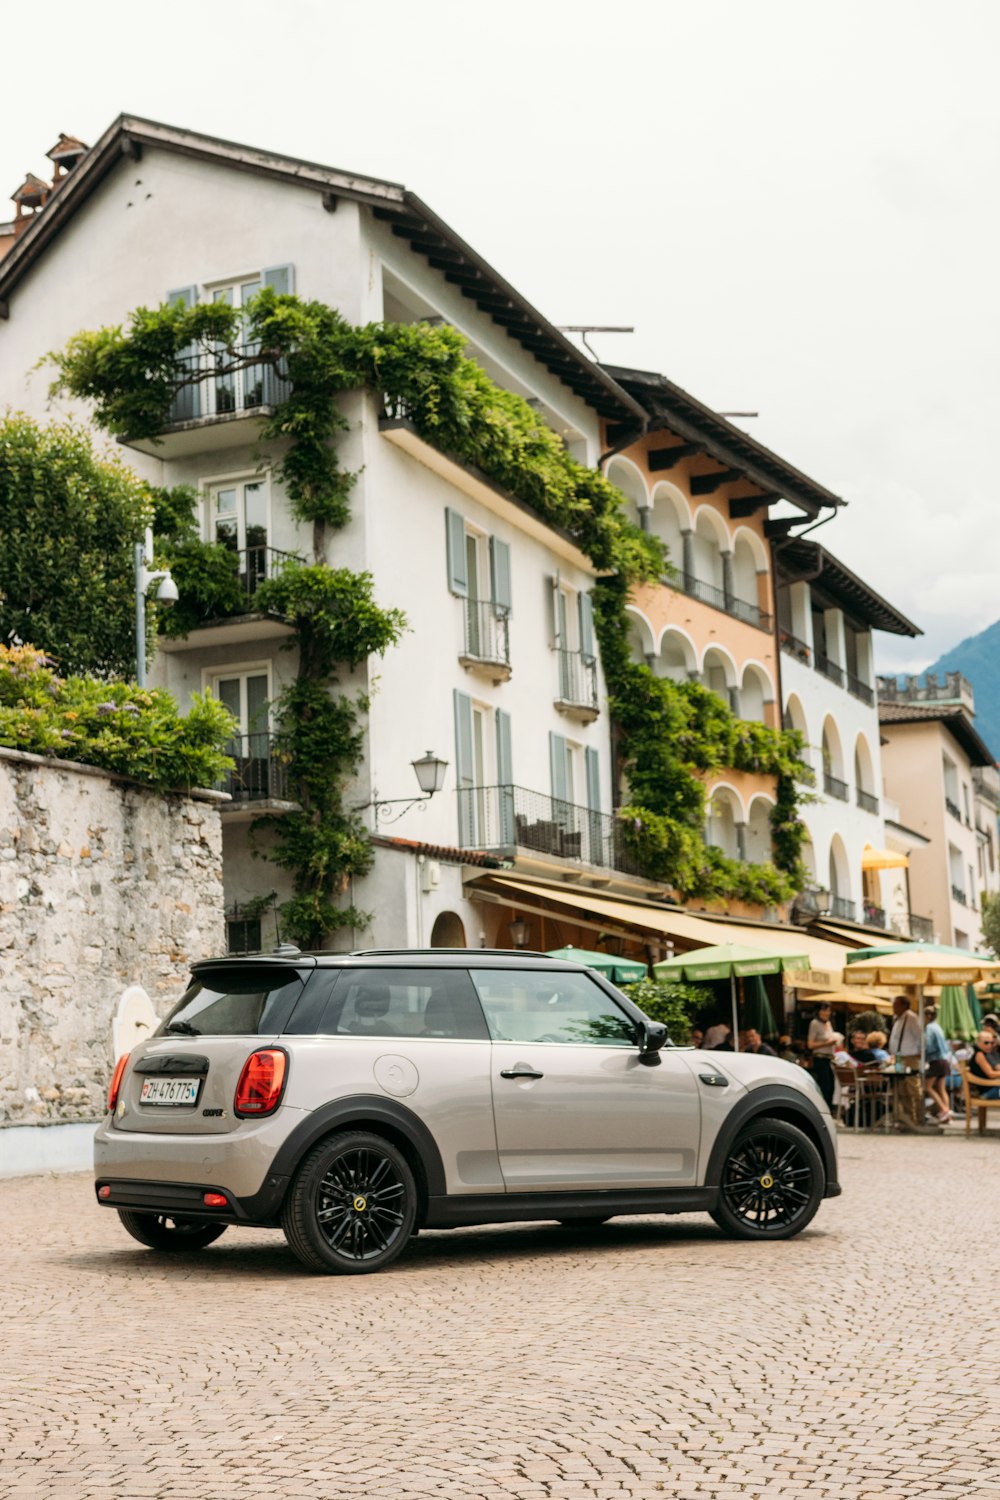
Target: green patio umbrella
x=975 y=1009
x=612 y=966
x=954 y=1015
x=865 y=955
x=730 y=961
x=757 y=1012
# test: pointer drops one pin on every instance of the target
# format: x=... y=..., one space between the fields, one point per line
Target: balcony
x=708 y=593
x=834 y=787
x=906 y=924
x=509 y=818
x=842 y=908
x=874 y=916
x=829 y=669
x=577 y=697
x=958 y=894
x=867 y=800
x=225 y=404
x=953 y=808
x=258 y=782
x=486 y=639
x=795 y=647
x=860 y=689
x=242 y=622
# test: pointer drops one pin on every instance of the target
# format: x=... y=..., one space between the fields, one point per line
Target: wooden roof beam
x=749 y=505
x=707 y=484
x=660 y=459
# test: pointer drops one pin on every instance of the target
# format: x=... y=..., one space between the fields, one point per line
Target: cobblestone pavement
x=645 y=1359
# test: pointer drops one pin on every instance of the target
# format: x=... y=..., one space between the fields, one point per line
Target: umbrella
x=975 y=1010
x=883 y=859
x=864 y=955
x=730 y=961
x=919 y=965
x=757 y=1011
x=618 y=970
x=954 y=1016
x=845 y=1000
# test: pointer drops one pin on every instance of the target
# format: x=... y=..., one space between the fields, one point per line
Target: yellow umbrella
x=883 y=859
x=847 y=1000
x=920 y=966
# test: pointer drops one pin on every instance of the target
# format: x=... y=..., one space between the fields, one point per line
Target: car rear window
x=255 y=1000
x=387 y=1002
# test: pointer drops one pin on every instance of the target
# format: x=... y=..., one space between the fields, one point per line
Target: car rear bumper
x=186 y=1199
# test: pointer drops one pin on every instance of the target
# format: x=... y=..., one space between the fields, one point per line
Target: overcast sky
x=794 y=203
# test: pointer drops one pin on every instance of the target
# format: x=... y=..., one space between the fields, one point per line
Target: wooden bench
x=974 y=1101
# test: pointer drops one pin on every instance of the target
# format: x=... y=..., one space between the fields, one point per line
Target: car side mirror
x=652 y=1036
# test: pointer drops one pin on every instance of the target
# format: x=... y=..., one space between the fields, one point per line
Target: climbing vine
x=670 y=736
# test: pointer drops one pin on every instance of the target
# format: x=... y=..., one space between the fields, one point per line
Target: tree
x=69 y=518
x=990 y=922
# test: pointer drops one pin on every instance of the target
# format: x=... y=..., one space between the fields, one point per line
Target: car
x=354 y=1099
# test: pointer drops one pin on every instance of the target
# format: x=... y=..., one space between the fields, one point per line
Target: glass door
x=238 y=389
x=245 y=694
x=238 y=520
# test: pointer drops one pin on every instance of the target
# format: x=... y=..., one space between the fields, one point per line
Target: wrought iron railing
x=223 y=381
x=795 y=647
x=486 y=636
x=908 y=925
x=842 y=908
x=829 y=668
x=953 y=808
x=867 y=800
x=874 y=915
x=254 y=564
x=259 y=774
x=860 y=689
x=958 y=894
x=740 y=609
x=506 y=818
x=577 y=679
x=834 y=787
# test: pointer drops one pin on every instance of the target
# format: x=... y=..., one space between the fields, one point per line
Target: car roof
x=398 y=958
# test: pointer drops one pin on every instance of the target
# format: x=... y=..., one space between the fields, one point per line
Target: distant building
x=945 y=781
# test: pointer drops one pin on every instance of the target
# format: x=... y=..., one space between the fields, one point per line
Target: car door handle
x=520 y=1073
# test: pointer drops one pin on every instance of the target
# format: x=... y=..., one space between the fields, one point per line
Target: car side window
x=428 y=1003
x=528 y=1005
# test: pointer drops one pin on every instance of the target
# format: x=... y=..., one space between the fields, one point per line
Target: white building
x=826 y=616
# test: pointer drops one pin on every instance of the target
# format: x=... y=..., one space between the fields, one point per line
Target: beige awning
x=883 y=859
x=668 y=921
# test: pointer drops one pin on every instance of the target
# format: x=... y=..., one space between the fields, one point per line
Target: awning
x=883 y=859
x=845 y=1000
x=665 y=921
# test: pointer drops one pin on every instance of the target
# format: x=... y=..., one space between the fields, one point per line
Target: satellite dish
x=135 y=1022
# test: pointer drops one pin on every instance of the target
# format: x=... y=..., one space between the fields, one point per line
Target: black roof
x=797 y=557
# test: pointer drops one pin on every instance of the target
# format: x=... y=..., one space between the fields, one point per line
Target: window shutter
x=464 y=770
x=557 y=757
x=281 y=278
x=458 y=571
x=557 y=640
x=187 y=402
x=505 y=777
x=593 y=764
x=586 y=605
x=500 y=574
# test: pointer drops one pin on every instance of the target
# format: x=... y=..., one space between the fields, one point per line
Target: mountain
x=978 y=659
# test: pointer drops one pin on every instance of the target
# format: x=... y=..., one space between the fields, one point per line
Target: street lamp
x=165 y=594
x=519 y=932
x=429 y=771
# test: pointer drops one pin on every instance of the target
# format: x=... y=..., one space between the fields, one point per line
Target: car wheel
x=772 y=1182
x=352 y=1205
x=169 y=1231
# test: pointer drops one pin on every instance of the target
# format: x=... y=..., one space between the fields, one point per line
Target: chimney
x=33 y=194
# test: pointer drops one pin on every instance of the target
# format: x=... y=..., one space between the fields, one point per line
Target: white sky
x=793 y=201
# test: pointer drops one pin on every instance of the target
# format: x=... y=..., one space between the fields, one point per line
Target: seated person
x=875 y=1042
x=751 y=1041
x=697 y=1037
x=787 y=1049
x=371 y=1006
x=859 y=1048
x=841 y=1056
x=983 y=1069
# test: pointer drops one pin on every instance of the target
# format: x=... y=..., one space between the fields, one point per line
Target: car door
x=575 y=1108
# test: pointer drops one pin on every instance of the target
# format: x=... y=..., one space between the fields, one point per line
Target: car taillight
x=261 y=1082
x=116 y=1080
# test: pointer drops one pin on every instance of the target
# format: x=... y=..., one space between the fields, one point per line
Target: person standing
x=904 y=1047
x=937 y=1056
x=821 y=1041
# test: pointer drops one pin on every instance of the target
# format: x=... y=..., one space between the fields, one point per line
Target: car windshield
x=255 y=1000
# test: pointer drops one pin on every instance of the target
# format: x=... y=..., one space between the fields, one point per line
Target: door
x=238 y=521
x=246 y=696
x=575 y=1109
x=236 y=390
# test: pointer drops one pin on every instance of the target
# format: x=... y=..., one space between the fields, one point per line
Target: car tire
x=772 y=1182
x=352 y=1205
x=170 y=1232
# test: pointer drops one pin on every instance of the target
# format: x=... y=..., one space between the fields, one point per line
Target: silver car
x=355 y=1099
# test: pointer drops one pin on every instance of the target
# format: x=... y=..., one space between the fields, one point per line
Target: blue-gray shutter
x=281 y=278
x=464 y=769
x=593 y=763
x=500 y=574
x=557 y=759
x=458 y=570
x=586 y=627
x=187 y=402
x=593 y=823
x=505 y=778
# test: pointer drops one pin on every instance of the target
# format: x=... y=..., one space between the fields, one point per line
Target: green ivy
x=670 y=736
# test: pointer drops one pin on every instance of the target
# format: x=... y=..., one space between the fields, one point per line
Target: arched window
x=755 y=692
x=759 y=848
x=725 y=825
x=834 y=770
x=676 y=659
x=718 y=672
x=709 y=542
x=448 y=931
x=627 y=478
x=671 y=518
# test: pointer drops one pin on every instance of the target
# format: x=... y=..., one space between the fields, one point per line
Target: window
x=243 y=935
x=238 y=1001
x=484 y=774
x=237 y=515
x=478 y=564
x=247 y=696
x=534 y=1006
x=234 y=390
x=438 y=1004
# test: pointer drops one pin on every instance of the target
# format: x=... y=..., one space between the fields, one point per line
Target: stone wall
x=103 y=884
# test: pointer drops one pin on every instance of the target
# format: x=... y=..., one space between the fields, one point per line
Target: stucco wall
x=102 y=884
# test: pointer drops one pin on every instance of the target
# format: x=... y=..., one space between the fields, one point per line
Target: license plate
x=169 y=1090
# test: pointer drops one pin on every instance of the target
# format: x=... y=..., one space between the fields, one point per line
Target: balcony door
x=247 y=696
x=238 y=521
x=241 y=388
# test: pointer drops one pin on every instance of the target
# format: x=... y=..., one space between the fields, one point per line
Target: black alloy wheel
x=170 y=1231
x=352 y=1206
x=772 y=1182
